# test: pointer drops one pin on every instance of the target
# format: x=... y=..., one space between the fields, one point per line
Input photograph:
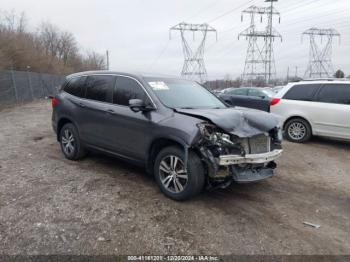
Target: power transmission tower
x=260 y=63
x=254 y=64
x=270 y=66
x=193 y=67
x=320 y=58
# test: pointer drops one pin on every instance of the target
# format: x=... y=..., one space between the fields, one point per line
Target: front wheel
x=174 y=179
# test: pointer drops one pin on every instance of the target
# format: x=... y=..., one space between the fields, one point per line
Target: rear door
x=94 y=116
x=333 y=107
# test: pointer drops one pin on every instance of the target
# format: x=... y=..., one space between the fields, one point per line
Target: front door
x=130 y=133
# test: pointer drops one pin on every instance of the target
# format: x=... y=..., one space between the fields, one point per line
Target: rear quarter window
x=302 y=92
x=335 y=93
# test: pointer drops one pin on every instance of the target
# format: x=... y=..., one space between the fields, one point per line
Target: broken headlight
x=218 y=142
x=211 y=133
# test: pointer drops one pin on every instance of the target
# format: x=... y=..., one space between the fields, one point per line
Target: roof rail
x=327 y=79
x=320 y=79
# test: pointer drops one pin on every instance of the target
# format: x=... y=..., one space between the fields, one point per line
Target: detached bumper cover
x=227 y=160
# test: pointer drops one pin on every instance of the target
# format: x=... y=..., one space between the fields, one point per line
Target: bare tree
x=48 y=50
x=49 y=36
x=67 y=47
x=94 y=61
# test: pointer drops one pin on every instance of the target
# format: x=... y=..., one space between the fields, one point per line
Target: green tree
x=339 y=74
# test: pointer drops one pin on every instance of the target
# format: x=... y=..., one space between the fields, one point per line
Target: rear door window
x=100 y=88
x=302 y=92
x=239 y=92
x=335 y=93
x=76 y=86
x=257 y=93
x=127 y=89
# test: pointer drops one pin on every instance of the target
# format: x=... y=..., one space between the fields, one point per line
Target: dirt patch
x=49 y=205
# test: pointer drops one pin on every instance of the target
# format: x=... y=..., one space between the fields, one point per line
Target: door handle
x=81 y=105
x=110 y=111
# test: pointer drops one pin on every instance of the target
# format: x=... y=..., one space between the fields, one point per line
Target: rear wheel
x=298 y=130
x=70 y=142
x=174 y=179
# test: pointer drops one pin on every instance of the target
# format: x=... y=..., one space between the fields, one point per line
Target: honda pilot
x=175 y=128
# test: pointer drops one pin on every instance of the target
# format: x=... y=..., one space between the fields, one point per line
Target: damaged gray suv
x=179 y=131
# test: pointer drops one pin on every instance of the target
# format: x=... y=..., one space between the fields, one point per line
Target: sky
x=136 y=32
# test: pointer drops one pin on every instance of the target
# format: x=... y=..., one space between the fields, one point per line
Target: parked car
x=276 y=89
x=251 y=97
x=175 y=128
x=319 y=108
x=216 y=92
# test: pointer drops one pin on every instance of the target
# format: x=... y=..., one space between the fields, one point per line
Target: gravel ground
x=49 y=205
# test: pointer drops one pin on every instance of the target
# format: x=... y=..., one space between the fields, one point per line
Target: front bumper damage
x=227 y=160
x=230 y=158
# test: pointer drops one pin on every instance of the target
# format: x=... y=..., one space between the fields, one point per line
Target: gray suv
x=179 y=131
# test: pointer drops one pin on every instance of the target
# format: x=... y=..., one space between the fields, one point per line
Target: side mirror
x=137 y=105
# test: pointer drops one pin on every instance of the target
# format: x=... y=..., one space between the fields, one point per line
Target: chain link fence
x=18 y=87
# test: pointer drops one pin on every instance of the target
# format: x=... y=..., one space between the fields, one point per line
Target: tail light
x=274 y=101
x=54 y=101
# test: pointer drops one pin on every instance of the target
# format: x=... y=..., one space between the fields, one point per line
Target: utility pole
x=193 y=67
x=320 y=58
x=296 y=71
x=287 y=74
x=107 y=59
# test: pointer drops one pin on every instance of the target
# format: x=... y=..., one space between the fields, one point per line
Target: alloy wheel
x=173 y=174
x=68 y=142
x=297 y=131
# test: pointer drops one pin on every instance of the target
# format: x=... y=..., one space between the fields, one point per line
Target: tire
x=163 y=169
x=69 y=136
x=298 y=130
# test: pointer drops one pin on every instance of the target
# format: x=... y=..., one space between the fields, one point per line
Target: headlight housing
x=211 y=133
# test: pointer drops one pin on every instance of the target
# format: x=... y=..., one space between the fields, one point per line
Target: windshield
x=180 y=93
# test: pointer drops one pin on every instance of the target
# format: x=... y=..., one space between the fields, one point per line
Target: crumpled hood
x=240 y=122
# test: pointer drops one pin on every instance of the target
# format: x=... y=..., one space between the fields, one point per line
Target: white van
x=320 y=108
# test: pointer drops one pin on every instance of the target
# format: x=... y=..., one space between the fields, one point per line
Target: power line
x=204 y=9
x=230 y=11
x=155 y=61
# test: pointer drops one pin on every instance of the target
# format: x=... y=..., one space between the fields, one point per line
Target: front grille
x=257 y=144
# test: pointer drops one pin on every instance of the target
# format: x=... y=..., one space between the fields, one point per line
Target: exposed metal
x=320 y=58
x=193 y=67
x=260 y=62
x=226 y=160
